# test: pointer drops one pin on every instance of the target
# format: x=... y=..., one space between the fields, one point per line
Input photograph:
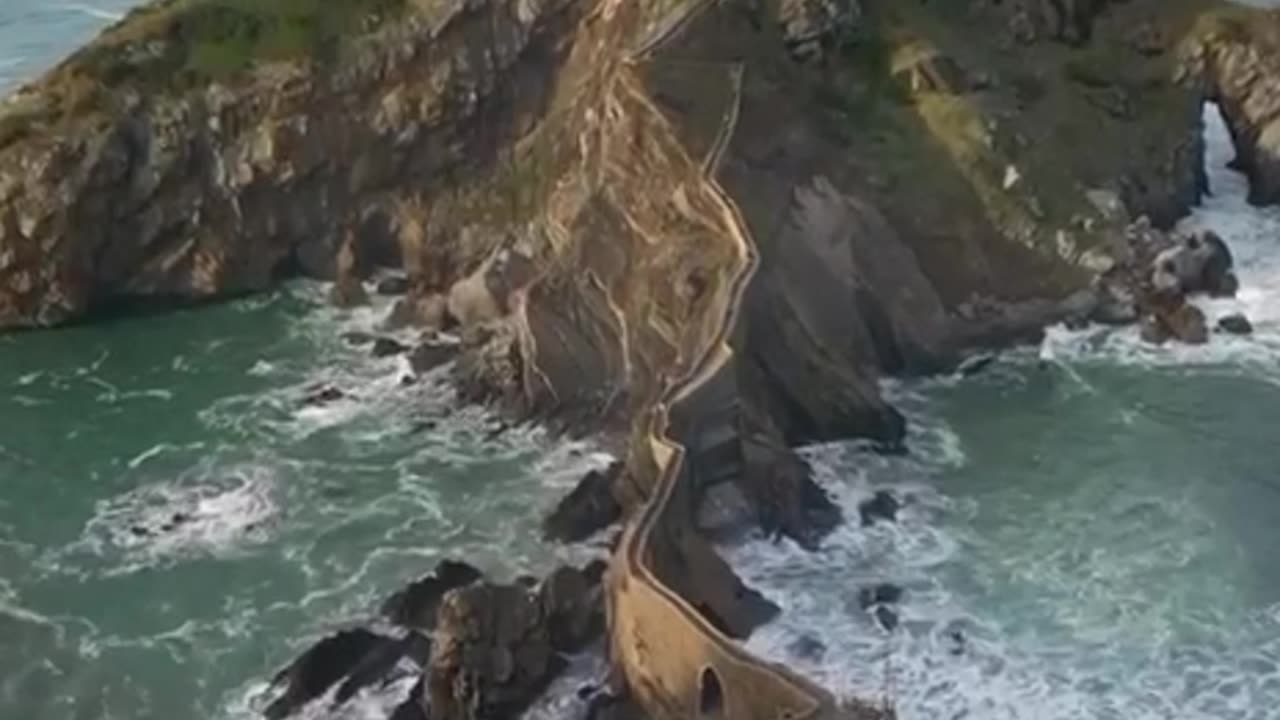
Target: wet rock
x=807 y=647
x=975 y=364
x=779 y=486
x=427 y=311
x=886 y=617
x=493 y=652
x=388 y=347
x=1187 y=323
x=358 y=338
x=320 y=667
x=322 y=395
x=573 y=607
x=428 y=356
x=1235 y=324
x=413 y=707
x=1198 y=263
x=348 y=291
x=1117 y=307
x=380 y=662
x=416 y=605
x=882 y=594
x=882 y=506
x=608 y=706
x=1153 y=331
x=395 y=285
x=589 y=508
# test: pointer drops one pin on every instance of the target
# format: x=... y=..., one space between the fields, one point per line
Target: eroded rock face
x=1237 y=53
x=496 y=645
x=589 y=508
x=141 y=187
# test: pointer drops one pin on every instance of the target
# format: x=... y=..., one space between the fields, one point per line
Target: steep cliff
x=703 y=229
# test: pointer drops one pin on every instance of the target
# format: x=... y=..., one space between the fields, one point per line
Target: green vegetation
x=173 y=45
x=197 y=40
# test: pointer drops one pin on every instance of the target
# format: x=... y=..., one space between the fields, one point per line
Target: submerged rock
x=348 y=291
x=882 y=506
x=358 y=338
x=388 y=347
x=323 y=395
x=808 y=648
x=886 y=617
x=882 y=594
x=1235 y=324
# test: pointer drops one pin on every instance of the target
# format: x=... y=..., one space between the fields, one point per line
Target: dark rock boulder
x=493 y=653
x=321 y=667
x=416 y=605
x=886 y=617
x=1235 y=324
x=358 y=338
x=348 y=291
x=414 y=707
x=589 y=508
x=379 y=663
x=428 y=356
x=607 y=706
x=391 y=286
x=388 y=347
x=573 y=607
x=1198 y=263
x=322 y=394
x=1180 y=321
x=882 y=594
x=807 y=647
x=882 y=506
x=779 y=486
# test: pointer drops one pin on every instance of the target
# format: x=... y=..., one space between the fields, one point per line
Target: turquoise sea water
x=1089 y=530
x=1096 y=520
x=175 y=523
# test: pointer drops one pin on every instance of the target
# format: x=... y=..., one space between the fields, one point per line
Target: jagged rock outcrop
x=1236 y=53
x=481 y=649
x=123 y=177
x=496 y=645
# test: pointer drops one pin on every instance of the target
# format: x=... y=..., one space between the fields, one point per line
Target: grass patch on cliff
x=213 y=39
x=176 y=45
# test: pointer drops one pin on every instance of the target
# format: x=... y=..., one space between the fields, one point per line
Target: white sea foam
x=1089 y=644
x=209 y=511
x=1253 y=234
x=94 y=11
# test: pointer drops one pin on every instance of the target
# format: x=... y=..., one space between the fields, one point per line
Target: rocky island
x=699 y=230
